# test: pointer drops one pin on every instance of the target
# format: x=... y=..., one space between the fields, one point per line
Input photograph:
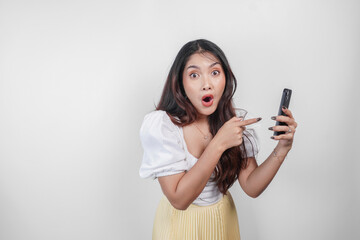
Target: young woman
x=197 y=148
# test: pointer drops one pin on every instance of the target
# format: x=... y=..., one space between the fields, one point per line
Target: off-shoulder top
x=166 y=153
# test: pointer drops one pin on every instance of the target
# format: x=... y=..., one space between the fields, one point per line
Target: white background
x=77 y=78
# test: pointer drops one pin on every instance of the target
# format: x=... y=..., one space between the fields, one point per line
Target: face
x=204 y=82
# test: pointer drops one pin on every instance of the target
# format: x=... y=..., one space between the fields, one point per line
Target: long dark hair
x=182 y=112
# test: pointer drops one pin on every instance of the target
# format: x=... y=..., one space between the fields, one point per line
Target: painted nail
x=270 y=128
x=284 y=107
x=272 y=137
x=258 y=119
x=273 y=118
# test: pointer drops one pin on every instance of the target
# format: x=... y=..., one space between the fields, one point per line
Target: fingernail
x=270 y=128
x=284 y=107
x=258 y=119
x=273 y=118
x=272 y=137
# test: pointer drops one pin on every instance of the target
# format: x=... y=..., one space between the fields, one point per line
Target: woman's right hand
x=230 y=134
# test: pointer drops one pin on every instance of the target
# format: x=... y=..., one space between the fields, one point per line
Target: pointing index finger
x=250 y=121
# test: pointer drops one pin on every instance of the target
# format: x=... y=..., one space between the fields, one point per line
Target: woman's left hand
x=286 y=139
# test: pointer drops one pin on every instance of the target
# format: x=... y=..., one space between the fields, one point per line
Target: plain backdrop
x=77 y=78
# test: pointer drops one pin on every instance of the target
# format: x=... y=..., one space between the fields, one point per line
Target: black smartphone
x=285 y=101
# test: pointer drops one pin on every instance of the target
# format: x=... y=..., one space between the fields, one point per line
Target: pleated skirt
x=218 y=221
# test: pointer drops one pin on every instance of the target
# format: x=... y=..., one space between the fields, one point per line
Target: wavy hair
x=181 y=111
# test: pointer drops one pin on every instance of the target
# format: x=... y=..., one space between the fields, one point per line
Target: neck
x=201 y=120
x=203 y=126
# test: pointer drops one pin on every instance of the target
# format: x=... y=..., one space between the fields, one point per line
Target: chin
x=208 y=111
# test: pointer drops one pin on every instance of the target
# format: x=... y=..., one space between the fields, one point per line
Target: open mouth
x=207 y=100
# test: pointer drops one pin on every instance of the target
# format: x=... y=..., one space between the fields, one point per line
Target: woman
x=197 y=148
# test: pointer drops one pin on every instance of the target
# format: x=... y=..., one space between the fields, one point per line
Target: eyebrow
x=194 y=66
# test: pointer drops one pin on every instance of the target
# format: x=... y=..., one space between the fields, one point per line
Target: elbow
x=253 y=194
x=178 y=200
x=180 y=206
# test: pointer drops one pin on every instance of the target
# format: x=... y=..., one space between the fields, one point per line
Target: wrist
x=217 y=145
x=284 y=147
x=281 y=151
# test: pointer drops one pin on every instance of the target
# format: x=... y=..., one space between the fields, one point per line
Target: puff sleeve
x=251 y=141
x=164 y=153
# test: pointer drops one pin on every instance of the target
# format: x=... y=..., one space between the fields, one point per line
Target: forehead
x=205 y=58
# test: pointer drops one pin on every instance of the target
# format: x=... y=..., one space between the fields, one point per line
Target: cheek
x=222 y=84
x=189 y=87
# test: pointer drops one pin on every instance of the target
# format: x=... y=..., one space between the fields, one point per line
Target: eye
x=194 y=75
x=215 y=73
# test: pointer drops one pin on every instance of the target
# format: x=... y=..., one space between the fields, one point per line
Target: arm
x=254 y=179
x=183 y=188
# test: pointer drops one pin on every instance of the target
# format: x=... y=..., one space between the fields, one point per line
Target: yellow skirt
x=218 y=221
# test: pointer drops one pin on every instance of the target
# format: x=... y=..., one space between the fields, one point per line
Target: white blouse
x=166 y=153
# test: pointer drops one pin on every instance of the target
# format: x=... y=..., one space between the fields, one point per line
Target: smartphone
x=285 y=101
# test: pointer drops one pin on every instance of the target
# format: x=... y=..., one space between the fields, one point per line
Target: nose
x=206 y=84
